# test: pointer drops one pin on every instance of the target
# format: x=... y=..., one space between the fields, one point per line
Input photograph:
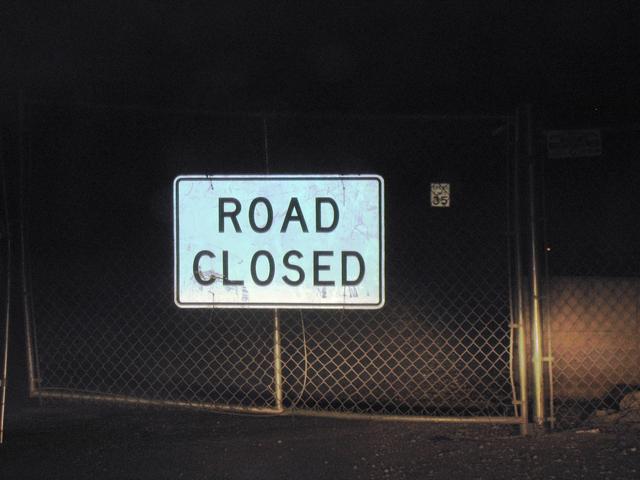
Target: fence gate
x=102 y=320
x=592 y=251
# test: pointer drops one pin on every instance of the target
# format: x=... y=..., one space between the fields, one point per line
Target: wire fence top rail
x=270 y=114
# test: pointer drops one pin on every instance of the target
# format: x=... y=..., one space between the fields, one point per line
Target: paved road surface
x=76 y=442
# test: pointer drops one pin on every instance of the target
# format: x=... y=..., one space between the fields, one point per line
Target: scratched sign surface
x=279 y=241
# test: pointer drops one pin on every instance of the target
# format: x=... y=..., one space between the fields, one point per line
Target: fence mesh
x=593 y=277
x=100 y=258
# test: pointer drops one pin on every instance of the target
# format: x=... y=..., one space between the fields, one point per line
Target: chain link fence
x=99 y=243
x=100 y=256
x=593 y=277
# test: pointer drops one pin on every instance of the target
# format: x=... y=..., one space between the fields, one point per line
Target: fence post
x=519 y=300
x=277 y=352
x=5 y=235
x=536 y=320
x=26 y=293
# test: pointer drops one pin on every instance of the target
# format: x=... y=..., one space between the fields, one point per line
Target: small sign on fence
x=440 y=194
x=574 y=143
x=279 y=241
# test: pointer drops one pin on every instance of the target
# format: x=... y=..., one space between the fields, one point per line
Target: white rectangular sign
x=279 y=241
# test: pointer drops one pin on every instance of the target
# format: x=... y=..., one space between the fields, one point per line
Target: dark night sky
x=456 y=56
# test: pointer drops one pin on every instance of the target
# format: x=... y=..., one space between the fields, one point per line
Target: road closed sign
x=279 y=241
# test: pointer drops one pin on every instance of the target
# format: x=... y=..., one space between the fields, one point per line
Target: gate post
x=534 y=268
x=519 y=297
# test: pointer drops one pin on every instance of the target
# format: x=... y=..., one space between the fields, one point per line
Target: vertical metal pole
x=5 y=354
x=5 y=351
x=522 y=334
x=23 y=247
x=277 y=360
x=277 y=352
x=536 y=322
x=546 y=289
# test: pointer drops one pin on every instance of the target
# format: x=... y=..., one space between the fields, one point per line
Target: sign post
x=277 y=341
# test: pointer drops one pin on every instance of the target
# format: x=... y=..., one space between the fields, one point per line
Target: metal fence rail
x=98 y=228
x=5 y=286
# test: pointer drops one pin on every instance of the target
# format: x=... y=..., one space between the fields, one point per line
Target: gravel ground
x=80 y=443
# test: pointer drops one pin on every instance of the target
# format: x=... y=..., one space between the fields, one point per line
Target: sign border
x=293 y=305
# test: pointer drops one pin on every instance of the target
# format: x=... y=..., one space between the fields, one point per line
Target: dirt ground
x=78 y=442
